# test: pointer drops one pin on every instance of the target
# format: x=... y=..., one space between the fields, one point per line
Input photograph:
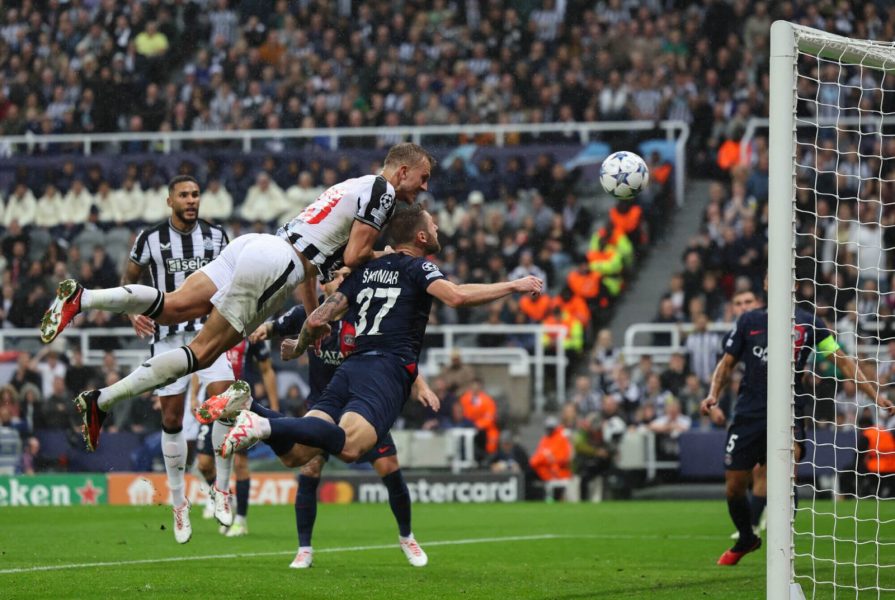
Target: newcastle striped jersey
x=320 y=232
x=171 y=256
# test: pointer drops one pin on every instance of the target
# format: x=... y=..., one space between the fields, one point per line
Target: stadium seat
x=665 y=148
x=592 y=154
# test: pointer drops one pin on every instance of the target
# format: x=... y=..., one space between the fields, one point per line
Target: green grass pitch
x=526 y=550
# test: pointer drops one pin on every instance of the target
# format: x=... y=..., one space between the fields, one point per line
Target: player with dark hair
x=249 y=281
x=743 y=301
x=171 y=251
x=747 y=434
x=388 y=300
x=323 y=360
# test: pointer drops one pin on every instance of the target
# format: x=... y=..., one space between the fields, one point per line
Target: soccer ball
x=623 y=174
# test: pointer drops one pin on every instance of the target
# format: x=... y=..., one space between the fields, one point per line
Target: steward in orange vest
x=552 y=459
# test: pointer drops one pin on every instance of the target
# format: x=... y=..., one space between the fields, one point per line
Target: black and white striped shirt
x=171 y=256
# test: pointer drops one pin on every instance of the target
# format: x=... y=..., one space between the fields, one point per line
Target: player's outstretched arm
x=424 y=394
x=852 y=370
x=473 y=294
x=719 y=382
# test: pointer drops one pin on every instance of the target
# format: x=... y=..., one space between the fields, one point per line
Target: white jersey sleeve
x=320 y=232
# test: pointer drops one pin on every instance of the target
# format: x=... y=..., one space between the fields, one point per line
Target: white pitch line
x=146 y=561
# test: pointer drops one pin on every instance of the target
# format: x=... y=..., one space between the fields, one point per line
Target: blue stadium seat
x=665 y=149
x=592 y=154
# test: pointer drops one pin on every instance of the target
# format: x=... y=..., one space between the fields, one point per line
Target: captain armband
x=828 y=346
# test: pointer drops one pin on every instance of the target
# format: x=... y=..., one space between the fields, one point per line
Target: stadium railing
x=675 y=131
x=633 y=350
x=754 y=125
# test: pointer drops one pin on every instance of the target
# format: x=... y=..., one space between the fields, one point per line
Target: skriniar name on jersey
x=389 y=305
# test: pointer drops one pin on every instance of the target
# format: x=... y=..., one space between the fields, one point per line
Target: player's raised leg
x=190 y=301
x=213 y=340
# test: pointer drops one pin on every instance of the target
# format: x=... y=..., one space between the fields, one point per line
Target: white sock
x=174 y=451
x=129 y=299
x=264 y=426
x=156 y=372
x=239 y=520
x=405 y=539
x=223 y=466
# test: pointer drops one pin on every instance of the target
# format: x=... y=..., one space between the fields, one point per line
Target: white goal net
x=833 y=189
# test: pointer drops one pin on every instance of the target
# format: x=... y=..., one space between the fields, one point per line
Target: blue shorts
x=747 y=444
x=373 y=385
x=203 y=442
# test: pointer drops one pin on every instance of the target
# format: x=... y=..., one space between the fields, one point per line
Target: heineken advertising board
x=53 y=490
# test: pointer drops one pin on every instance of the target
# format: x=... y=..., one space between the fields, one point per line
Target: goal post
x=781 y=201
x=836 y=90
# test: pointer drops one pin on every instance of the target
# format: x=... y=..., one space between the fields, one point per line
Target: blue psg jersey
x=748 y=342
x=389 y=304
x=323 y=358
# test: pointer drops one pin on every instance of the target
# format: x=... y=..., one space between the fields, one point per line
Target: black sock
x=306 y=508
x=399 y=500
x=242 y=496
x=756 y=507
x=279 y=446
x=739 y=514
x=309 y=431
x=267 y=413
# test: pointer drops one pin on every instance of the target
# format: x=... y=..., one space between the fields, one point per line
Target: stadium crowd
x=84 y=67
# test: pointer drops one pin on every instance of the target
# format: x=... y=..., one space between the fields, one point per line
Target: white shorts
x=254 y=275
x=190 y=424
x=220 y=369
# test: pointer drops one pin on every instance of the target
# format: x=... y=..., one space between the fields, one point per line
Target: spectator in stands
x=642 y=370
x=604 y=358
x=456 y=418
x=666 y=315
x=481 y=409
x=54 y=412
x=527 y=267
x=669 y=427
x=48 y=208
x=30 y=460
x=510 y=456
x=458 y=375
x=703 y=347
x=673 y=377
x=691 y=395
x=585 y=396
x=593 y=454
x=264 y=201
x=24 y=373
x=21 y=206
x=48 y=364
x=552 y=459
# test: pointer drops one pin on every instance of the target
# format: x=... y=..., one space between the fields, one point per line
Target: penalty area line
x=149 y=561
